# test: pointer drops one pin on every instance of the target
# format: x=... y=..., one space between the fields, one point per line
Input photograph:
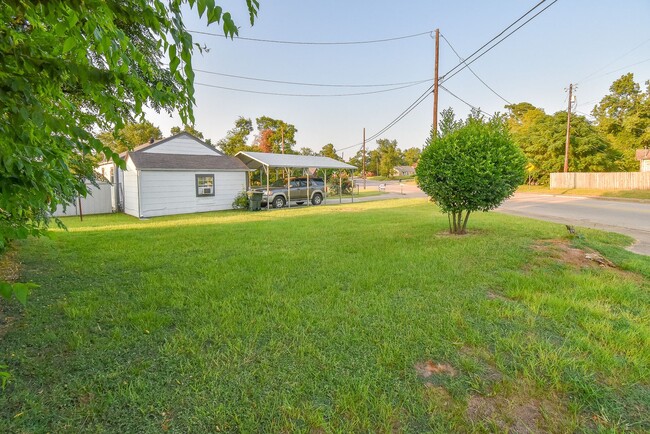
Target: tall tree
x=271 y=133
x=411 y=156
x=237 y=138
x=448 y=122
x=623 y=116
x=132 y=135
x=329 y=151
x=542 y=138
x=306 y=151
x=389 y=156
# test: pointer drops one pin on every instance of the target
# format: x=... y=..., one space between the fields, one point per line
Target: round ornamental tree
x=473 y=167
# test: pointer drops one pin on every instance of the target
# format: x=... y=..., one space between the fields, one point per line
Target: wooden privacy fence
x=98 y=201
x=602 y=180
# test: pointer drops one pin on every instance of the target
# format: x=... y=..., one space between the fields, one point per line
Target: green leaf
x=201 y=5
x=21 y=290
x=69 y=44
x=5 y=290
x=214 y=16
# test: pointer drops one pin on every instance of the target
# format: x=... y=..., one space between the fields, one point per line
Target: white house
x=177 y=175
x=403 y=171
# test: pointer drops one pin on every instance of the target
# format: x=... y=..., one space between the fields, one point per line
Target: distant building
x=643 y=155
x=403 y=171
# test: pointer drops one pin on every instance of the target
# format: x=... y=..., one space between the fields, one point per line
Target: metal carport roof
x=256 y=160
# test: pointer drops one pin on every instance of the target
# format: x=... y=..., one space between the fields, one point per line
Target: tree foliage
x=411 y=156
x=237 y=138
x=623 y=117
x=71 y=68
x=271 y=133
x=542 y=137
x=473 y=167
x=389 y=156
x=130 y=136
x=329 y=151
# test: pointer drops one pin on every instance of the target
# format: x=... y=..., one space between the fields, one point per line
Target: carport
x=288 y=162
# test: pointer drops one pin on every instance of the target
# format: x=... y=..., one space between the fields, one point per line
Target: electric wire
x=613 y=61
x=272 y=41
x=616 y=70
x=444 y=78
x=497 y=36
x=401 y=116
x=297 y=83
x=472 y=71
x=463 y=101
x=466 y=64
x=307 y=95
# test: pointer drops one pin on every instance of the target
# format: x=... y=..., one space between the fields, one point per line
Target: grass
x=628 y=194
x=344 y=318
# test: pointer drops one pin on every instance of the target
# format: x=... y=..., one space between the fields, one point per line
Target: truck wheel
x=317 y=199
x=279 y=202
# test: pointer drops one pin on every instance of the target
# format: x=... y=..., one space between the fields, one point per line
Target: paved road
x=630 y=218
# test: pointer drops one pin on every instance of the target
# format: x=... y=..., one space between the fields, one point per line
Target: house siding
x=182 y=145
x=174 y=192
x=130 y=183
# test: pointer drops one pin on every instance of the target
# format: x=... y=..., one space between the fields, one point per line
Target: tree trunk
x=465 y=222
x=449 y=220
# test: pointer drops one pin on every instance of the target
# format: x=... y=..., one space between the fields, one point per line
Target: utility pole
x=435 y=87
x=363 y=159
x=568 y=129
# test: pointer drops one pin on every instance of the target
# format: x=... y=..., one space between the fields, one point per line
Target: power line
x=465 y=102
x=472 y=71
x=616 y=70
x=497 y=36
x=305 y=94
x=614 y=61
x=466 y=64
x=271 y=41
x=401 y=116
x=445 y=78
x=296 y=83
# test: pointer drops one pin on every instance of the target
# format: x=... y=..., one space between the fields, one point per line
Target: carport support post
x=340 y=187
x=289 y=186
x=308 y=190
x=352 y=184
x=325 y=186
x=268 y=191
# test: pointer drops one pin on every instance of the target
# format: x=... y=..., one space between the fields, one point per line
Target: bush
x=242 y=201
x=473 y=167
x=346 y=183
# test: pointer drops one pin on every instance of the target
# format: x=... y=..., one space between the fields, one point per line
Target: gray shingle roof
x=145 y=160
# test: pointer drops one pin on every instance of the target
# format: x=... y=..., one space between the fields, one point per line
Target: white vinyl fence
x=602 y=180
x=98 y=201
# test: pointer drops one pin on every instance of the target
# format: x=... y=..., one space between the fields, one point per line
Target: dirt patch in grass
x=561 y=250
x=517 y=414
x=429 y=368
x=9 y=266
x=493 y=295
x=9 y=272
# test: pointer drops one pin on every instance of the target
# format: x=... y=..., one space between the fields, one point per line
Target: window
x=205 y=185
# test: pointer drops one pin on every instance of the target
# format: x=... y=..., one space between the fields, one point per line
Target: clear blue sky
x=574 y=41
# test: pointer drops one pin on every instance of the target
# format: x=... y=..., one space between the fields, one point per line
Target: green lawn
x=628 y=194
x=339 y=318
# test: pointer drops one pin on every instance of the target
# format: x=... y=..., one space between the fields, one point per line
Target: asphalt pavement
x=626 y=217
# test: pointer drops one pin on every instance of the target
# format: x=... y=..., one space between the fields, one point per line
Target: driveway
x=629 y=218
